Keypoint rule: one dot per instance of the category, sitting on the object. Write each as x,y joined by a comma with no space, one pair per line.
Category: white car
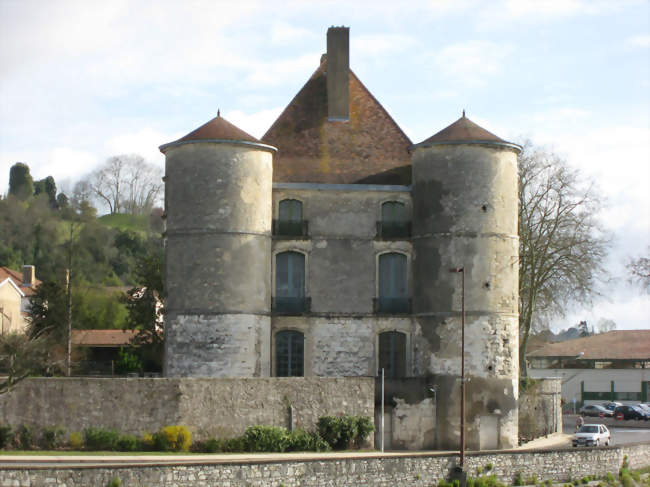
592,435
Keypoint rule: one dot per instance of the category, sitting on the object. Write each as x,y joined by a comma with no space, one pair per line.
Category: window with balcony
392,354
289,354
290,222
393,285
290,284
395,222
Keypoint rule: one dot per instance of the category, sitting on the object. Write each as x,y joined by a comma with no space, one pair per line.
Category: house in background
101,348
15,291
613,366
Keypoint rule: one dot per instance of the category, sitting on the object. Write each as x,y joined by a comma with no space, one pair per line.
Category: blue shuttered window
394,220
392,354
393,284
290,218
290,282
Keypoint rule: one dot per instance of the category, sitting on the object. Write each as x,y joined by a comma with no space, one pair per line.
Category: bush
128,443
211,445
173,438
75,441
25,437
6,435
99,439
301,440
234,445
52,437
266,439
344,431
127,362
115,482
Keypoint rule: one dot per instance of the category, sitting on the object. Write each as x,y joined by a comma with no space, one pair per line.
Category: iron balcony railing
391,306
393,230
290,228
290,306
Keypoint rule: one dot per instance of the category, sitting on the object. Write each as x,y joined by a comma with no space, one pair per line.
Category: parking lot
623,432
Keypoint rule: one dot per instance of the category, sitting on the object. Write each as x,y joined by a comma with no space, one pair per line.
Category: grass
36,453
137,223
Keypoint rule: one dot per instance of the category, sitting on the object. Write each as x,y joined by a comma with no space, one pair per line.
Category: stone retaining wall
415,470
209,407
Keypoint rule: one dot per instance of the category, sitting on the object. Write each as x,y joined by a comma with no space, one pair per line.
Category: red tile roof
218,128
369,148
613,345
463,130
17,278
102,338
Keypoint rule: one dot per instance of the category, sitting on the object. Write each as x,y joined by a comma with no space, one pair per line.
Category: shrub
127,362
75,441
266,439
128,443
301,440
518,480
52,437
345,431
5,436
115,482
25,437
364,427
173,438
211,445
100,439
234,445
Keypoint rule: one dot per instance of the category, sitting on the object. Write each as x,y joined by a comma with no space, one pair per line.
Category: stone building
324,250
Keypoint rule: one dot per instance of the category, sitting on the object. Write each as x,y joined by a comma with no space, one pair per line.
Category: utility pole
68,285
462,479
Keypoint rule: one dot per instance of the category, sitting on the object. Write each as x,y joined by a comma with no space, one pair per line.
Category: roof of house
218,128
463,130
613,345
17,279
102,338
369,148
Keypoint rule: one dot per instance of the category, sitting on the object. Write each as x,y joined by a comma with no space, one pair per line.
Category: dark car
630,412
611,405
595,410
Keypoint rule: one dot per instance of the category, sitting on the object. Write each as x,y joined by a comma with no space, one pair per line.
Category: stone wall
540,409
209,407
329,470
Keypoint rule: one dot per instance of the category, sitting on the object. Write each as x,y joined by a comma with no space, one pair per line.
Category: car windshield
588,429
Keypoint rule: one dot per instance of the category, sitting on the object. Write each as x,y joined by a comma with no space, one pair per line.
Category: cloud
282,71
282,33
377,44
256,123
642,40
144,142
472,62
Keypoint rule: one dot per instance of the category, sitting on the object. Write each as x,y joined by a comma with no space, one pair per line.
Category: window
392,354
289,354
290,222
394,221
290,283
393,284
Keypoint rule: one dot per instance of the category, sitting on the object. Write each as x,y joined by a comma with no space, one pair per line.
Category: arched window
394,220
290,220
290,282
392,354
393,284
289,354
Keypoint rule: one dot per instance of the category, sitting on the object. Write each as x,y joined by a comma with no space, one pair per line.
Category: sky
81,81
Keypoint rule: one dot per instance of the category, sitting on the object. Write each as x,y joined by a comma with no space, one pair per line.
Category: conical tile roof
462,130
219,128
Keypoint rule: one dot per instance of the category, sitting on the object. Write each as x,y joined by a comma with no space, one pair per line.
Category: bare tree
639,268
126,184
20,357
561,243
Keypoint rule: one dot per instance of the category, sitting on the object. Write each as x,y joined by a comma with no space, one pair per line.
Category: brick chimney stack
29,275
338,68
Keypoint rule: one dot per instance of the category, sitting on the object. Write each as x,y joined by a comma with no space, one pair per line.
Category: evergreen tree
21,184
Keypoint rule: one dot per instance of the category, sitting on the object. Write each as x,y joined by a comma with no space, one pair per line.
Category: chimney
29,275
338,68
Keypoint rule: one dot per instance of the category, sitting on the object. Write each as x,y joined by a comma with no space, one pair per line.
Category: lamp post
461,270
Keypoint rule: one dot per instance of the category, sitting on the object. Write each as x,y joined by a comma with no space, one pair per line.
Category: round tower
218,244
465,217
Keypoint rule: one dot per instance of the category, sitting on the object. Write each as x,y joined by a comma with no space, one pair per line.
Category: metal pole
69,324
462,371
382,410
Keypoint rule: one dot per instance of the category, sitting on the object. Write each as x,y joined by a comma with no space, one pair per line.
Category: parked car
595,410
592,435
644,406
644,410
611,405
630,412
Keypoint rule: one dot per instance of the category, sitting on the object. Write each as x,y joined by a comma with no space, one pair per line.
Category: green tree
48,312
21,184
47,187
145,309
562,245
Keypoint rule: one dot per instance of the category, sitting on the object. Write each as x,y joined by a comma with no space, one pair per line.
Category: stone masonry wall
540,410
389,470
209,407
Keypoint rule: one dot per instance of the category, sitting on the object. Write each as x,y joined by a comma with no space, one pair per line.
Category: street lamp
461,270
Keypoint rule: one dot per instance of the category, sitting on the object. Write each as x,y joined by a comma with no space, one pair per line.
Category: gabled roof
613,345
102,338
17,279
9,282
369,148
462,131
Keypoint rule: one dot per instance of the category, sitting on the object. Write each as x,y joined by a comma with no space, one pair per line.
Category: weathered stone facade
220,408
347,283
350,471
